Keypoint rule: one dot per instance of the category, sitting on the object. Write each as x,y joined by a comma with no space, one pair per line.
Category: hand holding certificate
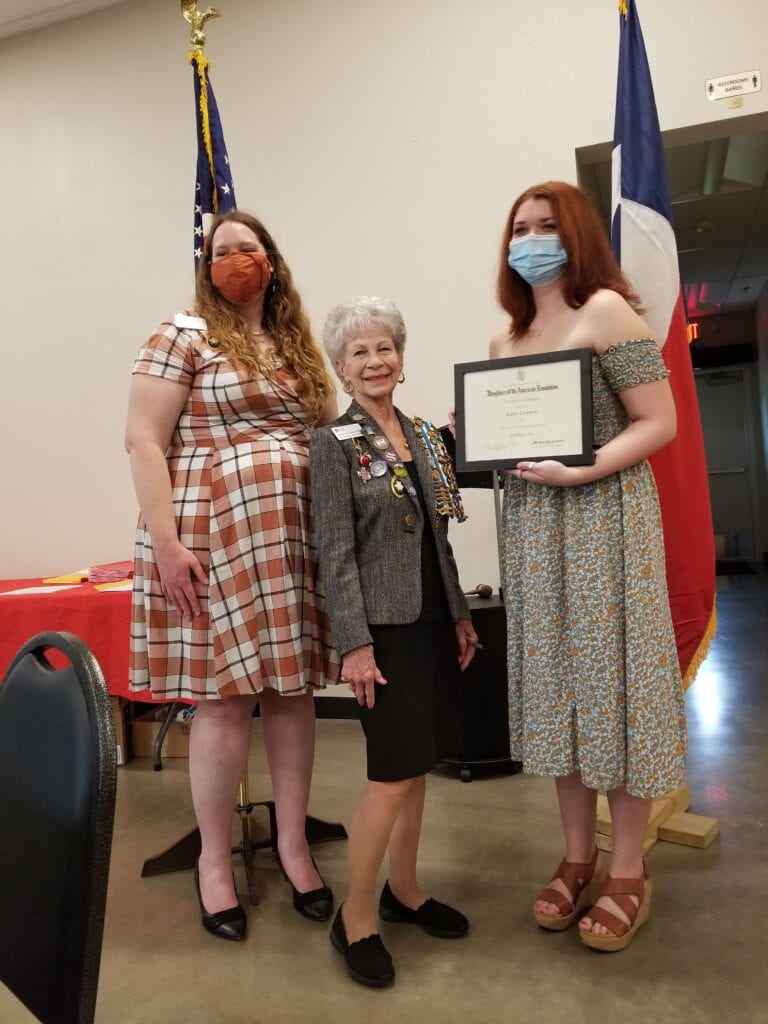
524,408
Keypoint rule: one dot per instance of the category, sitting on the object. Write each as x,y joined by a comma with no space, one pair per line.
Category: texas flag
643,241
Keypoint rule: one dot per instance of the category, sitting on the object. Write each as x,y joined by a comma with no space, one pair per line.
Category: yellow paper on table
68,577
119,585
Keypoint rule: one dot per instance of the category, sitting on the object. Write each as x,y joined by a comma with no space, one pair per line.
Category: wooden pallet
669,821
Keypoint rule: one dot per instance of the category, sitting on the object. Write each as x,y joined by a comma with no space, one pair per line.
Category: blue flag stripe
636,128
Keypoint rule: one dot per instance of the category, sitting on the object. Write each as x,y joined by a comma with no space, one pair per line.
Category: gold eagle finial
197,20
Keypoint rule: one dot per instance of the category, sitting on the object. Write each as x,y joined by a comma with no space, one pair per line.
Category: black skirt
414,721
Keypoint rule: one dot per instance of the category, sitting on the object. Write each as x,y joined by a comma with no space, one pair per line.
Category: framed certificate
524,408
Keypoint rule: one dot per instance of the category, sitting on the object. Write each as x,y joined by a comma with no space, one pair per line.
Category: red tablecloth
101,618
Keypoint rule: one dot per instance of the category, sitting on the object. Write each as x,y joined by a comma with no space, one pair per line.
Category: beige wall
382,143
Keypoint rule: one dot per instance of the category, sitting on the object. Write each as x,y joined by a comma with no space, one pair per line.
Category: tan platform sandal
582,882
620,890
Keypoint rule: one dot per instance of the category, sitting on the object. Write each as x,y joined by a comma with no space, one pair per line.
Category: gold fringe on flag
624,8
202,64
702,650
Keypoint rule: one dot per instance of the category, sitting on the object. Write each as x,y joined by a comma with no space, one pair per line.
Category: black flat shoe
435,918
367,960
226,924
316,904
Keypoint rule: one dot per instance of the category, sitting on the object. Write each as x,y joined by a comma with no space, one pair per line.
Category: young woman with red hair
596,698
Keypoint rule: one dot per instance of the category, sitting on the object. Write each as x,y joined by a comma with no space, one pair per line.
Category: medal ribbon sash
447,496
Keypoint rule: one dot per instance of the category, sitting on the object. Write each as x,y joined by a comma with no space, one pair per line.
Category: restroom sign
733,85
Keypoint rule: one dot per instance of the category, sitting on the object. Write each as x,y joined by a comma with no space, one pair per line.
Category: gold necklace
403,440
538,331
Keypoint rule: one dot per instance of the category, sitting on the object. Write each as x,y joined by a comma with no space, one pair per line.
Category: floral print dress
594,682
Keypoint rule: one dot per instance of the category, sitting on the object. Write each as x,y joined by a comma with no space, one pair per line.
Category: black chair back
58,773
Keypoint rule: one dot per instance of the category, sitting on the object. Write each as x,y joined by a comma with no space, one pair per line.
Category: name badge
196,323
347,430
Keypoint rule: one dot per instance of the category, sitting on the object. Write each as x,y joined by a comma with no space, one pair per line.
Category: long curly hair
284,318
591,264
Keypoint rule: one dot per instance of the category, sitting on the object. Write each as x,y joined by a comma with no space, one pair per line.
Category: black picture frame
523,367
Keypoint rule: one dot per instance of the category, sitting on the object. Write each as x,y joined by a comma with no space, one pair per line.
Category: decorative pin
380,442
364,459
390,456
357,417
401,472
378,468
397,488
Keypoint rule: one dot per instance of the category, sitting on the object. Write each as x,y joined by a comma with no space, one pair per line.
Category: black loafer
317,904
367,960
435,918
226,924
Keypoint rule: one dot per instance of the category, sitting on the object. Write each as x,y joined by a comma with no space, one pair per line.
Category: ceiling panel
744,291
714,221
754,258
706,264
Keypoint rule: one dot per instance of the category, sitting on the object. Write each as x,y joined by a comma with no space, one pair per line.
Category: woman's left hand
550,473
466,639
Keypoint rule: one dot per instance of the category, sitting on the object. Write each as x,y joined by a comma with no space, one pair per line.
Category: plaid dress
239,468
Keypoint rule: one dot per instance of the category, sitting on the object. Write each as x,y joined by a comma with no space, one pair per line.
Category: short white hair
354,317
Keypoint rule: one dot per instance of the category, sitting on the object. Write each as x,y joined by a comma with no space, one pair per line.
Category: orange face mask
241,276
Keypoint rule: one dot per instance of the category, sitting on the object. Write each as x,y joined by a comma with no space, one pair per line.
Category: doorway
718,180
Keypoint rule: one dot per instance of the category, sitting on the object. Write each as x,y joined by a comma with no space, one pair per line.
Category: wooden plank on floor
681,798
689,829
605,843
604,826
661,809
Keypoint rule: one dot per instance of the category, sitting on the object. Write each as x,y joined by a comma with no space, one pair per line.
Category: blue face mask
538,259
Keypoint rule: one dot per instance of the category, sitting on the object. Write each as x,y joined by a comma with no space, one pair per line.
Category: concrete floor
488,846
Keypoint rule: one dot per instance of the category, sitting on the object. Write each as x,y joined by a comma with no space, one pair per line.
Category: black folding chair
58,773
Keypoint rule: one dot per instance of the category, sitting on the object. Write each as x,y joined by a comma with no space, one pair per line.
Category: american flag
214,189
644,243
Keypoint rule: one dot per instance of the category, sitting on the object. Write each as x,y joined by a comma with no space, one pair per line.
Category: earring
401,378
347,388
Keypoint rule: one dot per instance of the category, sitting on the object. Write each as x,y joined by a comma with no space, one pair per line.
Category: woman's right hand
177,567
360,672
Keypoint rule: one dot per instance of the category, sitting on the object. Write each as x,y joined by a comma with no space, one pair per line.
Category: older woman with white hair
383,490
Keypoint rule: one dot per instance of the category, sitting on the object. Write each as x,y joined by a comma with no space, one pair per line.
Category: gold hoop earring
401,378
347,388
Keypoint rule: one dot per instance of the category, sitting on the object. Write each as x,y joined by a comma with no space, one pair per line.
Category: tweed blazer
369,541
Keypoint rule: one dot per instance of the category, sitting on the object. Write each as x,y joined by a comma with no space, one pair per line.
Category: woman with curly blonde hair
227,607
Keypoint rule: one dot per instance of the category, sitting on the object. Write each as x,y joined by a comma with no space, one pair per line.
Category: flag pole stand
183,854
669,821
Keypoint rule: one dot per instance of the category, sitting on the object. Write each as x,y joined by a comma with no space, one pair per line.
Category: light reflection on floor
705,697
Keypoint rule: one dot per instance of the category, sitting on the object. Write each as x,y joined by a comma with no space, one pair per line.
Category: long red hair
591,264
